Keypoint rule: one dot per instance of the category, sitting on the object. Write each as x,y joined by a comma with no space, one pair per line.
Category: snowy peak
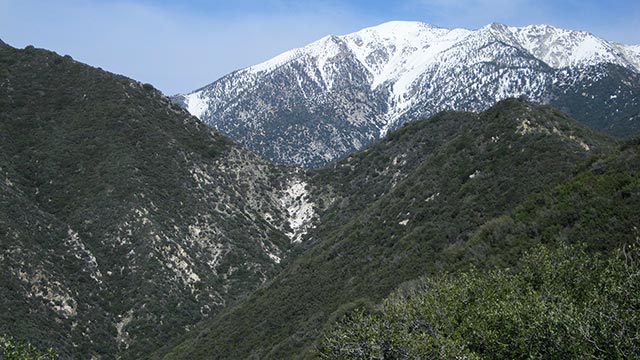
565,48
395,47
631,53
320,51
318,60
314,104
397,53
400,50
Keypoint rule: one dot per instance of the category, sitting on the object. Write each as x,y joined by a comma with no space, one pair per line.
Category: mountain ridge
403,207
124,220
340,93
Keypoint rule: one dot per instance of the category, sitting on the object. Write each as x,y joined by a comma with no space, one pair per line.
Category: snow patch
631,53
197,104
560,48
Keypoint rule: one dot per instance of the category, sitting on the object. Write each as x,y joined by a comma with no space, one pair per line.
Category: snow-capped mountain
314,104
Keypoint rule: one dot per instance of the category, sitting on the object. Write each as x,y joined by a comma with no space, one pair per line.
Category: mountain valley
421,195
124,219
332,202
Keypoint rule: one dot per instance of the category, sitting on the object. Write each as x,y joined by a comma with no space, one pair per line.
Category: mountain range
131,229
313,105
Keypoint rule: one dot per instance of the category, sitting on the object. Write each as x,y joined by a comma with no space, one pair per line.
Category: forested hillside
123,219
408,206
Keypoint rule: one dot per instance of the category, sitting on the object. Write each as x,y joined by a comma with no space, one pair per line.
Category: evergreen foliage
408,206
123,219
564,303
566,298
12,350
124,222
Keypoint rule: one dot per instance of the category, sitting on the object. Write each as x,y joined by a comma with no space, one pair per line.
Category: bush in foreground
562,303
13,350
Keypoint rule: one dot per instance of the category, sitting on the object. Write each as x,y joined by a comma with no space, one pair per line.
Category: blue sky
182,45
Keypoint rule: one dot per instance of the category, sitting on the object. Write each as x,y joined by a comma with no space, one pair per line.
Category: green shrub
561,304
13,350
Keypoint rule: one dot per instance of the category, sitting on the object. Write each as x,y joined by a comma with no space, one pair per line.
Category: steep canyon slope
124,220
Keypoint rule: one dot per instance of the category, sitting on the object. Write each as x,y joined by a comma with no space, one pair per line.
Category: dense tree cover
123,219
560,304
405,207
598,206
558,301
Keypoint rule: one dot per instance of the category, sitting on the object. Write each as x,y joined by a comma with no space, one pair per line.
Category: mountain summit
312,105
